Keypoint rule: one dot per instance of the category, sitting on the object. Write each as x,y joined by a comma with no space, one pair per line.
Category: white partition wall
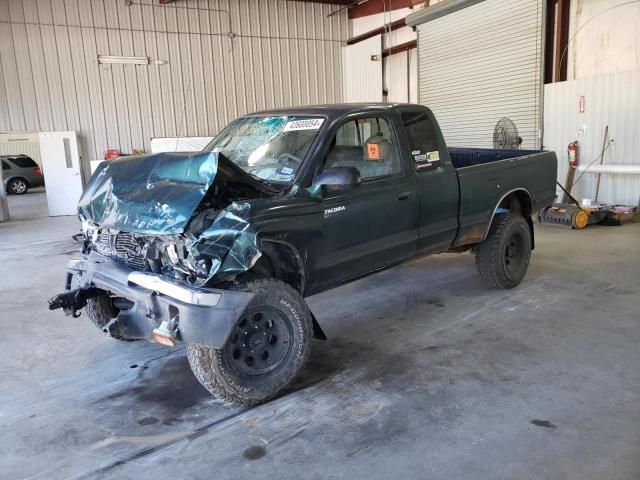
362,71
611,100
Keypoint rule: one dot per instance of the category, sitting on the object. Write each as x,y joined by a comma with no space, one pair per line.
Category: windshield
269,148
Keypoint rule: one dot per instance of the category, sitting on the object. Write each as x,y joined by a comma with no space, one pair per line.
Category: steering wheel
288,156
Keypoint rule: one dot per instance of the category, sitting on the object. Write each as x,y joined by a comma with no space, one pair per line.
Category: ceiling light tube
107,59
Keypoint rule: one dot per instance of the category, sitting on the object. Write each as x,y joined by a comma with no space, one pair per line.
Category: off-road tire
496,268
100,309
215,370
17,185
101,312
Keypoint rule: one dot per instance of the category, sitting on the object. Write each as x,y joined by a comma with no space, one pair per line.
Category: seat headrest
377,148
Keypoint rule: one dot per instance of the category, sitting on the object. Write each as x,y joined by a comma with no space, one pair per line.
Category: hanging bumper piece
152,303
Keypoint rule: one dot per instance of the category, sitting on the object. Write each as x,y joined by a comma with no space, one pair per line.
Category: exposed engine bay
190,223
226,246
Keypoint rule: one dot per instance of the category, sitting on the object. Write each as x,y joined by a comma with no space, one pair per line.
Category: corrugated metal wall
481,63
278,53
25,143
608,100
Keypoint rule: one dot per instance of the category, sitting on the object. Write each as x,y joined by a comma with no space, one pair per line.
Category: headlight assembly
172,254
88,230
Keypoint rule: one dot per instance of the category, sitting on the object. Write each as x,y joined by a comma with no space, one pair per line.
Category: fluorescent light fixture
106,59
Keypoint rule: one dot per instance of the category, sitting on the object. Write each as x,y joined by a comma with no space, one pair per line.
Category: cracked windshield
269,148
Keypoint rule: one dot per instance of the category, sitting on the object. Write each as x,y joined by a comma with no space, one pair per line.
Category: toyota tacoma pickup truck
218,249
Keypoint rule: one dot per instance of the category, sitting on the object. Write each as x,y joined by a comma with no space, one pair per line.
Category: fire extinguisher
574,161
574,155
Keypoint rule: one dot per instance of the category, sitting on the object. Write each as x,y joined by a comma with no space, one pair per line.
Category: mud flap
317,329
530,223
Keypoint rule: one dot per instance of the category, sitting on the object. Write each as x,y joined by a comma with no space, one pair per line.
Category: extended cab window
368,145
5,165
423,140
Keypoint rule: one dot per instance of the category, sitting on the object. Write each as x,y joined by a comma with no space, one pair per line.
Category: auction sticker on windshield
308,124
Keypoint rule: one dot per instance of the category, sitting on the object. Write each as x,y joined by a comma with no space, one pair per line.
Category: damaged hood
156,194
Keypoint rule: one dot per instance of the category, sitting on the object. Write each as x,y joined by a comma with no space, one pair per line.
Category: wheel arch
285,261
518,201
16,177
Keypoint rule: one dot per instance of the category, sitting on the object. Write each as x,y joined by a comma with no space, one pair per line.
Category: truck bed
468,157
486,176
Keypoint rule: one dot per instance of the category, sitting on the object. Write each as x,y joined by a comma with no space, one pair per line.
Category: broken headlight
172,253
195,269
204,267
88,229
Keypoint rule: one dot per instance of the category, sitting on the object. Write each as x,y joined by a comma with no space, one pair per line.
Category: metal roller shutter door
481,63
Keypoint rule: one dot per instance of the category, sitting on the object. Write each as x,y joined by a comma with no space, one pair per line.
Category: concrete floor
426,374
32,204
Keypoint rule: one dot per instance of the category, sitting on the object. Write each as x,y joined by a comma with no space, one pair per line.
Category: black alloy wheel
260,342
514,252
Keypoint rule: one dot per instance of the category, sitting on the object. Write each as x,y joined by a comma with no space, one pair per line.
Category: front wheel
265,351
100,309
503,257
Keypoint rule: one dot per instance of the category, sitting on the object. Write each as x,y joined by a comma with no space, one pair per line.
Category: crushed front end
159,232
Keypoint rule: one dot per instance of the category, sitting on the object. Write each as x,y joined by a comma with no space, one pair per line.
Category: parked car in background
20,173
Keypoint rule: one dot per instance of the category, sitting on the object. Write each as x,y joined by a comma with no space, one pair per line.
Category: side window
5,165
368,145
24,162
423,140
348,135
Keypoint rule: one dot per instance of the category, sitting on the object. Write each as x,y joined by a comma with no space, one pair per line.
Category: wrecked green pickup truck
218,249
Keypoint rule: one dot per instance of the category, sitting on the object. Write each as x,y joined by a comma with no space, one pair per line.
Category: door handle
404,195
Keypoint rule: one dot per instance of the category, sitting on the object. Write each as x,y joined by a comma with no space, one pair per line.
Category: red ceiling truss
363,8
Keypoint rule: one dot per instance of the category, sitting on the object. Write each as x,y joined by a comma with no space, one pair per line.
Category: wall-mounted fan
505,135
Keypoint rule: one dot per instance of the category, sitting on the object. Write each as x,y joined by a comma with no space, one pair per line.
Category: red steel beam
562,40
548,41
402,47
371,7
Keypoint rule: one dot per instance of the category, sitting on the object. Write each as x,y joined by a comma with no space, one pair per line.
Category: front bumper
197,315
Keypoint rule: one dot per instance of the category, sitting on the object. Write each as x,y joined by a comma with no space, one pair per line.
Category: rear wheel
503,257
265,351
18,186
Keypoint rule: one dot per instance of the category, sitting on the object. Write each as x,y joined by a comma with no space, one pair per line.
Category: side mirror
338,177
